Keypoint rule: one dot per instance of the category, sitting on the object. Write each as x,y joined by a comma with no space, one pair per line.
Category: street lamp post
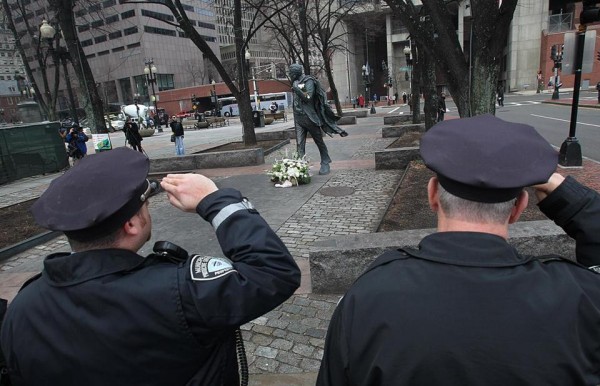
367,75
150,72
59,55
388,83
254,84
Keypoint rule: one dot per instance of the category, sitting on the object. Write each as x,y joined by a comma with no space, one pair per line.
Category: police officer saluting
466,308
105,315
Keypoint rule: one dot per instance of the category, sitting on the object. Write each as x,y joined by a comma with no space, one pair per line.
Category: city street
551,121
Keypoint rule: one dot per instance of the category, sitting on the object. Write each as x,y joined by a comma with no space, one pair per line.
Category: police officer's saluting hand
105,315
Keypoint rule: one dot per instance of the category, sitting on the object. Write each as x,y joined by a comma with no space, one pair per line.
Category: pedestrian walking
500,95
132,135
598,89
177,129
441,107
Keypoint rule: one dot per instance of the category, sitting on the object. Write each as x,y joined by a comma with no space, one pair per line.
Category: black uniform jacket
112,317
467,309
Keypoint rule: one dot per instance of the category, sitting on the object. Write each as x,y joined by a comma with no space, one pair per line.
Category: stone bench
337,262
355,113
217,121
347,120
398,119
399,158
275,116
400,130
201,125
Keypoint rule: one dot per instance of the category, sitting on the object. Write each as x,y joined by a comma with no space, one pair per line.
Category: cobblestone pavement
290,339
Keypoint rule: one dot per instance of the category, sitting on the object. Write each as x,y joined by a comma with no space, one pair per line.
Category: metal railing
560,23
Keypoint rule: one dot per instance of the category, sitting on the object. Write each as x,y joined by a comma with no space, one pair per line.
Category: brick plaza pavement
284,346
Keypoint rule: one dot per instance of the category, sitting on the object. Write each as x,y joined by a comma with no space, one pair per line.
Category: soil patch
409,208
17,224
265,145
410,139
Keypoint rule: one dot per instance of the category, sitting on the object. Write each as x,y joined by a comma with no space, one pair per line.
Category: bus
230,106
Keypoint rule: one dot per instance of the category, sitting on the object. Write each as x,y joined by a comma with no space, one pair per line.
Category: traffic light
553,52
195,102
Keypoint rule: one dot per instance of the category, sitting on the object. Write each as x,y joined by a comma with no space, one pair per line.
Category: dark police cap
97,196
486,159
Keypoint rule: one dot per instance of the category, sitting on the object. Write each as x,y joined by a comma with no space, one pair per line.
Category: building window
100,39
206,25
165,82
90,56
2,77
134,45
102,53
118,49
81,12
188,8
111,19
157,15
83,27
94,8
128,14
130,31
115,35
209,38
159,31
97,23
86,43
108,3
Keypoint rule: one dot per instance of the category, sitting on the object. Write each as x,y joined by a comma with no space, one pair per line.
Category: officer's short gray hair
480,212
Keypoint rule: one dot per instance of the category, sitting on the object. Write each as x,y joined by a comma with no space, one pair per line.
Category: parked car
185,114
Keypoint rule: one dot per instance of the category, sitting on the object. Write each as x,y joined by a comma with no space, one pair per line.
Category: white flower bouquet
290,171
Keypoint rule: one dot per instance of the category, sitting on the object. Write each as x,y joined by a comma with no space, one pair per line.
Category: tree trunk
304,36
91,102
243,96
415,86
429,88
334,91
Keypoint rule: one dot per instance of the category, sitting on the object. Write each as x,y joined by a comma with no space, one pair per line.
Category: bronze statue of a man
312,114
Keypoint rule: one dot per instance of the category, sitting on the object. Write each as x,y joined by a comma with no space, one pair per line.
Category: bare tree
240,90
472,85
30,44
195,72
317,25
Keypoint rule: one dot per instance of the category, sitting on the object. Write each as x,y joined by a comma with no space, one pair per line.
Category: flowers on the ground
290,171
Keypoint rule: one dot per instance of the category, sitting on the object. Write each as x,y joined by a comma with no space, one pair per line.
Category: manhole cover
337,191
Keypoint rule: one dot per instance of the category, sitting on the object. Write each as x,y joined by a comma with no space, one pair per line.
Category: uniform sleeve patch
209,268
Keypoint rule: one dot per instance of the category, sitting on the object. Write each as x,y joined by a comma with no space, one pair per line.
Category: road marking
564,120
395,110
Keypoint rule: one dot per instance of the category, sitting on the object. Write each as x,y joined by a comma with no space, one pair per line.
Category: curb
24,245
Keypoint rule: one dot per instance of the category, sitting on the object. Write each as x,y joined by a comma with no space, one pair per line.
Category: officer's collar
469,249
64,269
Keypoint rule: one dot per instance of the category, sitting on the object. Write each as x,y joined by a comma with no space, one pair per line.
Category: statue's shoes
344,133
324,169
